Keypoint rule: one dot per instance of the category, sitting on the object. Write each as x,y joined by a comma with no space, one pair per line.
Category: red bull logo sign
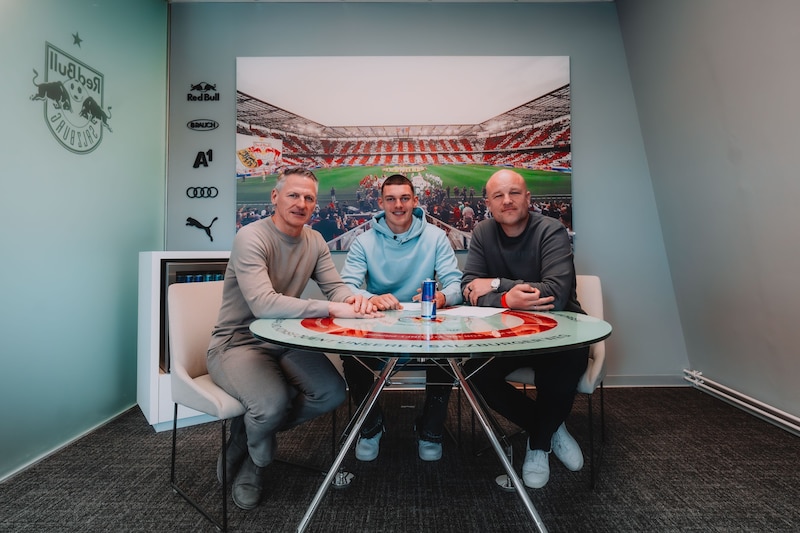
72,96
203,92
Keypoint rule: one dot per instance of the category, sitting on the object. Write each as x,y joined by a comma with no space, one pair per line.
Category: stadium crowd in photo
448,164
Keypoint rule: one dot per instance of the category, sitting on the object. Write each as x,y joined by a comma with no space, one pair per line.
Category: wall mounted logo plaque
72,93
202,124
202,192
190,221
203,158
203,92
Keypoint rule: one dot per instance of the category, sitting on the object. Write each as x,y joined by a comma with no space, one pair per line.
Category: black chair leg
596,455
591,442
602,414
223,526
224,477
174,444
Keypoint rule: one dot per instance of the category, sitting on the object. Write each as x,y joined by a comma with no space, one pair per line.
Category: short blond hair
294,171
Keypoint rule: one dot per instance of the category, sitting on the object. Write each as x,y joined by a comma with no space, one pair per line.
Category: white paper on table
461,310
471,311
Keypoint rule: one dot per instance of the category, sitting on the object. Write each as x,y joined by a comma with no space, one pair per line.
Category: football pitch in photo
346,181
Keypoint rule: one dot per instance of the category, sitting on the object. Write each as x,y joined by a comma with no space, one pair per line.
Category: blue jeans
279,387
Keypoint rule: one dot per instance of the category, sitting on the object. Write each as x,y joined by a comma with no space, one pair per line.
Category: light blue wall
618,230
72,225
717,86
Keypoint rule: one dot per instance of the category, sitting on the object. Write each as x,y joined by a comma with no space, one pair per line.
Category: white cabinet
157,270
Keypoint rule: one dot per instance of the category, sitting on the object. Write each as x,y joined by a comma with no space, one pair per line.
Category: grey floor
674,459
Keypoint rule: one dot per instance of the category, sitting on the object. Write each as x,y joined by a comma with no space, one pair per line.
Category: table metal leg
501,454
361,416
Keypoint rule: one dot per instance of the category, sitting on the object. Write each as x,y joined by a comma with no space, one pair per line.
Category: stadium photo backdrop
446,123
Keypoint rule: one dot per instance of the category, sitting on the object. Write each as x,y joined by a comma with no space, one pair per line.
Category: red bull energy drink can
428,299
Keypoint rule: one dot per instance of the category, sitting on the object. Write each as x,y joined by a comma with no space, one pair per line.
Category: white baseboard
675,380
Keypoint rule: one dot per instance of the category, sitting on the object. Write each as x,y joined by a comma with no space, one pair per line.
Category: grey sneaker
536,468
566,449
367,448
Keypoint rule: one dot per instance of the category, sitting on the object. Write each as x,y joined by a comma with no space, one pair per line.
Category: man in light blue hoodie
394,256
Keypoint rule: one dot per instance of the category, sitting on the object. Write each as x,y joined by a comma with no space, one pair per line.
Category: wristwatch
495,284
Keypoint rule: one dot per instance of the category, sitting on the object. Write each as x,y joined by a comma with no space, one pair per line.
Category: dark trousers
439,384
556,379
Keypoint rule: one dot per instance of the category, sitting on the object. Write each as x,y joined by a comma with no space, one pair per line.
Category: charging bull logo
72,96
202,92
92,111
54,91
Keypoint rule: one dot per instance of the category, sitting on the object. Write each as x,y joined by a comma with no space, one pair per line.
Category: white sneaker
566,449
367,449
536,468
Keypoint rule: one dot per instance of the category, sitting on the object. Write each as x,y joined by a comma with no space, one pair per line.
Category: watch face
495,283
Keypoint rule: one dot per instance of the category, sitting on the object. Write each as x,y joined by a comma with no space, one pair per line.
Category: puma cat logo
193,222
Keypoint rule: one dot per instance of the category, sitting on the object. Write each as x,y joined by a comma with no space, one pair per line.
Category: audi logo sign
202,124
202,192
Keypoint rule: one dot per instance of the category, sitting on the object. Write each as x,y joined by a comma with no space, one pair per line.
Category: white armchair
193,310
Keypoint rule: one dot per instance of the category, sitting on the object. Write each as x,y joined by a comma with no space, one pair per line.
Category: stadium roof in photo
339,97
253,112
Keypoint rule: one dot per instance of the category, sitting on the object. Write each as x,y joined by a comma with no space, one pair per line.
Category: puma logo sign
193,222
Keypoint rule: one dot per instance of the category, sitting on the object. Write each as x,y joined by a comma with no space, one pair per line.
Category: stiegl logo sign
72,93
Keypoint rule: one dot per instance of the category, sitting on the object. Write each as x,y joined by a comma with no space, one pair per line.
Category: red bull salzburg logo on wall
72,93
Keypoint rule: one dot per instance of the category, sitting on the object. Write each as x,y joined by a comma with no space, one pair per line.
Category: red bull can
428,300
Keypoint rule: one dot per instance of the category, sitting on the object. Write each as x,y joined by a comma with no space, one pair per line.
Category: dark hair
397,179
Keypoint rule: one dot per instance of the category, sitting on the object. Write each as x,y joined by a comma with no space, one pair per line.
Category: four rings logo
202,192
202,124
72,93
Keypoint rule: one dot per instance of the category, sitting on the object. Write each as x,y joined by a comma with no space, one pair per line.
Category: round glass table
404,332
454,335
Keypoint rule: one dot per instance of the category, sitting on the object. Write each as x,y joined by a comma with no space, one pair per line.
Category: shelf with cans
196,277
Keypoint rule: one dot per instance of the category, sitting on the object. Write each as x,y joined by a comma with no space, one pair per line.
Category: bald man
523,260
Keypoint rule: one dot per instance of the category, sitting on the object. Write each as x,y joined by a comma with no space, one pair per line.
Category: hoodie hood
417,226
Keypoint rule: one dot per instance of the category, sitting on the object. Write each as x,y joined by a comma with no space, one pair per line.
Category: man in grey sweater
270,264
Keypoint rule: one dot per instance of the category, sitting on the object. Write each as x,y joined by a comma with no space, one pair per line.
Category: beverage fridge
157,271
